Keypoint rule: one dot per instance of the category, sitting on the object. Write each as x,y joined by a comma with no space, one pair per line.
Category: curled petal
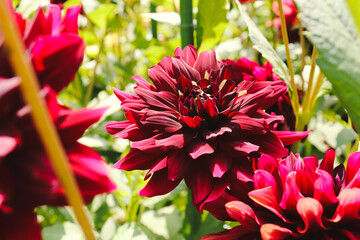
219,164
236,233
291,193
290,137
206,62
199,147
349,206
310,210
353,166
158,184
324,189
243,214
327,164
274,232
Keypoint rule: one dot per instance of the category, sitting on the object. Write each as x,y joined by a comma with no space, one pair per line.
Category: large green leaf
211,23
102,15
354,6
333,35
261,44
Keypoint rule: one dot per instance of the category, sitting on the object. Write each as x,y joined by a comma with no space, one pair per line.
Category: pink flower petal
243,214
324,189
199,147
327,164
290,137
206,62
162,80
353,166
271,231
236,233
219,164
291,193
349,206
310,210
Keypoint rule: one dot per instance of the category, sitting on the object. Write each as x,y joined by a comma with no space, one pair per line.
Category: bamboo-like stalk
30,88
153,22
186,27
295,97
303,50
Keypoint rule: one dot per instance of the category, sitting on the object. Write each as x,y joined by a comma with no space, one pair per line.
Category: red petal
189,54
291,193
158,184
162,80
206,62
271,231
211,108
136,159
243,214
349,206
353,166
48,51
327,164
290,137
310,210
201,184
324,189
178,164
219,164
192,122
270,144
199,147
236,233
253,125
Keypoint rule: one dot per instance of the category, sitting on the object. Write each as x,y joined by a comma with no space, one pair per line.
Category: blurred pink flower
296,198
53,43
197,122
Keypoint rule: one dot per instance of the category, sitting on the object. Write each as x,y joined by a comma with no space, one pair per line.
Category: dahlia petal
36,28
132,133
114,127
209,135
219,164
353,166
324,189
189,54
192,122
251,102
206,62
158,184
271,231
267,199
123,95
270,144
310,210
162,80
8,84
263,179
184,84
217,206
53,17
290,137
159,165
291,193
46,53
349,206
9,139
268,163
199,147
70,21
236,233
154,99
253,125
137,159
142,83
201,184
178,163
163,121
24,219
175,141
167,65
218,191
244,147
243,214
211,108
72,124
183,68
327,164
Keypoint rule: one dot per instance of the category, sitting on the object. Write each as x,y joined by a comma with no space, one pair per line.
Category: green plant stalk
30,88
272,25
294,96
153,22
303,51
315,91
306,102
186,26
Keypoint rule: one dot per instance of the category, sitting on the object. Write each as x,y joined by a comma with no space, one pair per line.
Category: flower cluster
247,69
295,198
27,177
198,122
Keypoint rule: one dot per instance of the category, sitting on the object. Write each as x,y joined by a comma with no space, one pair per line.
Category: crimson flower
27,179
290,14
52,43
297,198
247,69
245,1
196,123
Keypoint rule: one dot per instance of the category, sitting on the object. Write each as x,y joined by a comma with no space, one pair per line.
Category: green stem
294,96
272,25
315,91
153,22
186,27
305,105
303,51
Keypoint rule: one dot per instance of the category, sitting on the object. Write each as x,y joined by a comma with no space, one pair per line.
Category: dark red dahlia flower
196,123
297,198
27,177
249,70
54,45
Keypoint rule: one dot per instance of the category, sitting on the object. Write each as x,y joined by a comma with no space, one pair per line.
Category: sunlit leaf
211,23
101,15
338,48
354,6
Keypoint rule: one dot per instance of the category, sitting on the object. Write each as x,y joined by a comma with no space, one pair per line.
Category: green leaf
333,35
64,231
211,23
102,14
261,44
354,6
